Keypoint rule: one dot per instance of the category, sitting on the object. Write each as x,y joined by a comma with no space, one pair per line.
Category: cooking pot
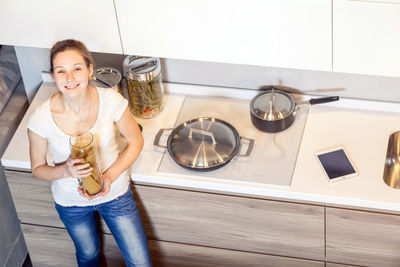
275,110
203,144
108,77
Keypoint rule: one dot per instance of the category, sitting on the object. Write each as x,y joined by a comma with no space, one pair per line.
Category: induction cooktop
274,155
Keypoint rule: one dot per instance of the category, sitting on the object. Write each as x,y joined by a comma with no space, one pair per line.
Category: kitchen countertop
362,127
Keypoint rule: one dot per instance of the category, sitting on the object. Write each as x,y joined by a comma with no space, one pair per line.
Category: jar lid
107,77
141,68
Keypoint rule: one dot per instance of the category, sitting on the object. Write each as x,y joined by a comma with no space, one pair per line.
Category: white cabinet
40,23
366,37
286,33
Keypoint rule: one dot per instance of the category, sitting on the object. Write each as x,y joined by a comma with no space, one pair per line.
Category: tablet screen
336,164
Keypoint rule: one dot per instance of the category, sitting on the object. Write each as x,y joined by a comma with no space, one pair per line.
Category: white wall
35,60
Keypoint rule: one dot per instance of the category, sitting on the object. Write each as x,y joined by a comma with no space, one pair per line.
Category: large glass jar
144,85
83,147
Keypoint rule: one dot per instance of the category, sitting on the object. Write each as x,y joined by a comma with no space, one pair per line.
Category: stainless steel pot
203,144
275,110
108,77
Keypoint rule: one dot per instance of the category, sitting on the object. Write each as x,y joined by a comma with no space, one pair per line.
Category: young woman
78,107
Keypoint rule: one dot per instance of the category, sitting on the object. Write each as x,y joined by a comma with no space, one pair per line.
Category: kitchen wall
33,61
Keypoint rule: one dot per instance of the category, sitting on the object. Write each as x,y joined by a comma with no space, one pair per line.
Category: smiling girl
78,107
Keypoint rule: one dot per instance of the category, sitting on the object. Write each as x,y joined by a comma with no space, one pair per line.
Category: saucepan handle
158,137
322,100
249,148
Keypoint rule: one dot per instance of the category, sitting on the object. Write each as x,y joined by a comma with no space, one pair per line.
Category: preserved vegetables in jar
144,86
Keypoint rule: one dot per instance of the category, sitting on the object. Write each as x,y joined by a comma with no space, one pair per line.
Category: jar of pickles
144,85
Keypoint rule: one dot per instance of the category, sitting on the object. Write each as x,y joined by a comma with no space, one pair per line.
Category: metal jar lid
203,144
141,68
107,77
272,105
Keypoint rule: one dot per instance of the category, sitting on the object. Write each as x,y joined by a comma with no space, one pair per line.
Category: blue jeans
122,218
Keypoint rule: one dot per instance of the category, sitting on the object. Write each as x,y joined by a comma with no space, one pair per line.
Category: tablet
336,164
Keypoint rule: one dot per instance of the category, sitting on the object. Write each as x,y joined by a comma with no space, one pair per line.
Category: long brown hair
70,44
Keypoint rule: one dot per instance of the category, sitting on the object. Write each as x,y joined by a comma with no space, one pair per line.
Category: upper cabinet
366,37
41,23
286,33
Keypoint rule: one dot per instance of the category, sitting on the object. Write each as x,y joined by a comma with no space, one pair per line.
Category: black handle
321,100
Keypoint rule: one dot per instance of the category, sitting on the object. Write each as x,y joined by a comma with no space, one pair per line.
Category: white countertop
363,127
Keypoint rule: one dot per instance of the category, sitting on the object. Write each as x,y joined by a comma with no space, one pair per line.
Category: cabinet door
362,238
366,37
329,264
230,222
286,33
50,246
41,23
183,255
34,201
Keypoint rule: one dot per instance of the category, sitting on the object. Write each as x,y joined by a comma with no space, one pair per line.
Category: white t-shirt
111,107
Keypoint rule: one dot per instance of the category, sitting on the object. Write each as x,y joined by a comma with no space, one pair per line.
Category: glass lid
203,143
107,77
272,105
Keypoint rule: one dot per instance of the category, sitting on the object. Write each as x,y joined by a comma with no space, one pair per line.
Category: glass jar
144,85
83,148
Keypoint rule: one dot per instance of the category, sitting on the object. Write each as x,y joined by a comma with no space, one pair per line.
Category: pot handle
321,100
158,137
249,148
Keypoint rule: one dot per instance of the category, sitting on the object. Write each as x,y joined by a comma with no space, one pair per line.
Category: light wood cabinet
185,227
34,201
191,228
50,246
330,264
288,33
230,222
42,23
183,255
366,37
362,238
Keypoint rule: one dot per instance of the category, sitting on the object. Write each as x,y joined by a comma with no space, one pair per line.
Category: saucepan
275,110
204,144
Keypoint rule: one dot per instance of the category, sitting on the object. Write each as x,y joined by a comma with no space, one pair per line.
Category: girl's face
71,73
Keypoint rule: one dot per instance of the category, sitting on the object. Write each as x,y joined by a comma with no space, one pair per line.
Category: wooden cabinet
330,264
183,255
362,238
288,33
191,228
34,201
234,223
50,246
366,37
185,227
42,23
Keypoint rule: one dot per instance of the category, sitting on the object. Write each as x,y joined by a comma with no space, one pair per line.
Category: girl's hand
106,188
73,168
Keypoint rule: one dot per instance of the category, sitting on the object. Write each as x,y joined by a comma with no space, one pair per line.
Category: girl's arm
128,128
38,150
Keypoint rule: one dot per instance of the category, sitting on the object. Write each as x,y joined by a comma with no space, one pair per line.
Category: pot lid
203,143
272,105
107,77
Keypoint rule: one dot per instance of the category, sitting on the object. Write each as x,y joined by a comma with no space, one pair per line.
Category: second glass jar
144,85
